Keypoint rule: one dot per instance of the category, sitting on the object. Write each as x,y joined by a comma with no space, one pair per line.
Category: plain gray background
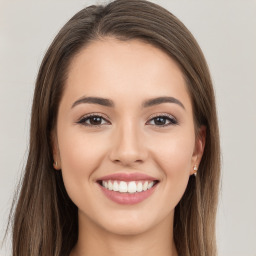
226,32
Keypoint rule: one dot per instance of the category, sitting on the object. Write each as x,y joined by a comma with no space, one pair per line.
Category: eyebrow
94,100
160,100
109,103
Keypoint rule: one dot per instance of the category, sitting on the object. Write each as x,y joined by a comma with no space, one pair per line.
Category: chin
127,229
130,224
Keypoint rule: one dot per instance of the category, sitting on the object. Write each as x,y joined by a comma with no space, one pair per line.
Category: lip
136,176
127,198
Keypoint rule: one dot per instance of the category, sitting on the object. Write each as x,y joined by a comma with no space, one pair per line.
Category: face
125,118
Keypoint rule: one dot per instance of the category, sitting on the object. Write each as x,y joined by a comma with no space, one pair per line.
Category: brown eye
93,120
96,120
163,120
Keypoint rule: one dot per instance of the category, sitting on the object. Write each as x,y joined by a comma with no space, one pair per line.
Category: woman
124,145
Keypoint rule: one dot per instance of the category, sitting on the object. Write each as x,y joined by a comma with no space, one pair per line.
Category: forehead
111,68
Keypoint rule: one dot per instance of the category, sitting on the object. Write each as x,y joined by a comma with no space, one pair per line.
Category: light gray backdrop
226,32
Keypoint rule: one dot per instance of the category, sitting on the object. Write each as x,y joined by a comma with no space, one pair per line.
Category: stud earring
55,164
195,170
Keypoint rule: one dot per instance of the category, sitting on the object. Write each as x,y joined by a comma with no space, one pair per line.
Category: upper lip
136,176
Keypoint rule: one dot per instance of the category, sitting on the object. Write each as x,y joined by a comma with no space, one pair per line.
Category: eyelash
170,118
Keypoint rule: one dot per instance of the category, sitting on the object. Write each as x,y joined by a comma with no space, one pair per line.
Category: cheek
174,153
80,157
174,159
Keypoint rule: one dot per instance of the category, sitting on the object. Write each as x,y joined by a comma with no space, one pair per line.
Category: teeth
139,187
105,184
145,186
110,187
130,187
123,187
115,186
150,185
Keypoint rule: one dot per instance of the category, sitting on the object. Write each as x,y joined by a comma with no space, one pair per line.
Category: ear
55,151
198,149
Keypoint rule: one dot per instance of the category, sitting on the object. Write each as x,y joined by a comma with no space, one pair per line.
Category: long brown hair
45,221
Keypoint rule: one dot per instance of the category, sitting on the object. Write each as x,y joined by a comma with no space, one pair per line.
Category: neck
93,240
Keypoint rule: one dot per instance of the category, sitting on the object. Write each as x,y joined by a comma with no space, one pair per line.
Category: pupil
96,120
160,120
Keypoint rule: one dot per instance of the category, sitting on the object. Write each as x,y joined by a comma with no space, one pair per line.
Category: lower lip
128,198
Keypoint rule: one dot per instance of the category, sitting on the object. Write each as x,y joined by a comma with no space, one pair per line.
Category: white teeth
150,185
105,184
115,186
123,187
145,186
139,187
130,187
110,187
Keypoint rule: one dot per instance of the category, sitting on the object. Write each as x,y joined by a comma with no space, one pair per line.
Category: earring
195,170
55,165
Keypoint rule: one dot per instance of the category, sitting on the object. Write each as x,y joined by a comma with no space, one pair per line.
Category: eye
94,120
163,120
97,120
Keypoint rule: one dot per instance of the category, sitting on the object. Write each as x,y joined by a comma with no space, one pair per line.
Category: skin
128,139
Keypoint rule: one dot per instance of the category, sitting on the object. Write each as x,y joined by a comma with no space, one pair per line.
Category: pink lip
127,198
127,177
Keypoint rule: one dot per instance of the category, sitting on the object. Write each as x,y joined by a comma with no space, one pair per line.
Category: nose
128,147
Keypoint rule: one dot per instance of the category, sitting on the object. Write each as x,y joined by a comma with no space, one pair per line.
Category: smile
127,188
